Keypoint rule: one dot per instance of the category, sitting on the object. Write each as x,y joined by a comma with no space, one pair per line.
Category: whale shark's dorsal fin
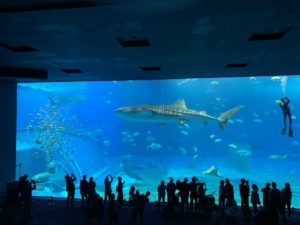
180,103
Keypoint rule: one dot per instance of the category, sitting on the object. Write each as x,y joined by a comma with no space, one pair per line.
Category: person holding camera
70,188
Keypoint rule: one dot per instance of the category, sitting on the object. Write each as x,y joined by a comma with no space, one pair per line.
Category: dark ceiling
43,40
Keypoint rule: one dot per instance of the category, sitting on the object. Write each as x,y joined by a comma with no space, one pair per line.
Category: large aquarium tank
148,131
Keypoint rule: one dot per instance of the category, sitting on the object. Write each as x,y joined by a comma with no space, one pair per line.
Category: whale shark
177,112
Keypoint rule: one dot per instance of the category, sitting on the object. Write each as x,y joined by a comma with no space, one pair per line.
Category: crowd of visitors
175,198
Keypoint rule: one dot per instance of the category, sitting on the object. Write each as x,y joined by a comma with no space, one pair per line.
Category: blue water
73,128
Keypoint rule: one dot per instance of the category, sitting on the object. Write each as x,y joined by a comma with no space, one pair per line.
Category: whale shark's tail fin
227,115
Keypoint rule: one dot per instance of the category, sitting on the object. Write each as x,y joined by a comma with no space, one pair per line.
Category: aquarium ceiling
52,40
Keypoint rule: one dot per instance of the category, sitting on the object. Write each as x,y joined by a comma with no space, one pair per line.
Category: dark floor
45,213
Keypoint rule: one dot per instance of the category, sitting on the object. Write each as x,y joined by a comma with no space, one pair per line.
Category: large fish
177,112
212,171
42,177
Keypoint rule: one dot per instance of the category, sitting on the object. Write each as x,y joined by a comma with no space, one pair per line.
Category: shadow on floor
54,213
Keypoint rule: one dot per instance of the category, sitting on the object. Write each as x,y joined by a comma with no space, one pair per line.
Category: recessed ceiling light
150,68
133,42
18,48
72,70
236,65
269,34
49,6
23,72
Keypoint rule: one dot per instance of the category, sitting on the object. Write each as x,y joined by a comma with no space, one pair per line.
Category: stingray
212,171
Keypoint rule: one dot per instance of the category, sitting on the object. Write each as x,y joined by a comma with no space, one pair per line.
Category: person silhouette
194,193
266,195
184,194
112,211
284,105
222,194
142,201
287,198
107,186
100,209
131,195
70,188
84,187
171,189
255,198
119,190
29,186
229,190
275,207
22,188
161,190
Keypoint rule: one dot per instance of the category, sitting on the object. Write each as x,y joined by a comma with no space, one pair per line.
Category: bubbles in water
283,83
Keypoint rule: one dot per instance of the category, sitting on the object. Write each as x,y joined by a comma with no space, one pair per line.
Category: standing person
247,190
255,198
22,187
231,211
266,194
161,190
193,193
222,195
112,211
275,206
284,105
28,187
142,202
92,186
134,203
201,196
107,187
287,198
131,195
244,193
70,188
178,196
229,191
171,188
184,194
92,191
92,208
84,187
100,209
119,190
